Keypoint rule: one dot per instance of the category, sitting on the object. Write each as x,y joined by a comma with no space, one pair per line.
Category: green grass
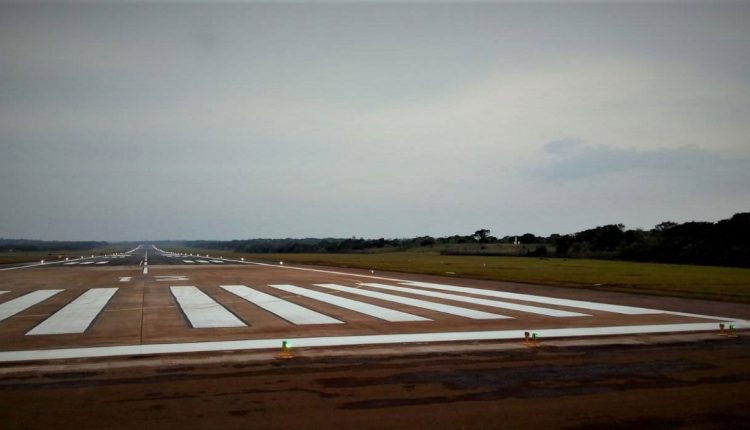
705,282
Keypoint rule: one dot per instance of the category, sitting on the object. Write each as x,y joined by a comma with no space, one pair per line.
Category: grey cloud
690,164
124,121
561,146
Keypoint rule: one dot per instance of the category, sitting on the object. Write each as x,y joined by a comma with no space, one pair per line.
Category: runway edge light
731,333
286,350
530,339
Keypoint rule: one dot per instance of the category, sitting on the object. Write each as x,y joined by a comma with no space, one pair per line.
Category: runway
149,301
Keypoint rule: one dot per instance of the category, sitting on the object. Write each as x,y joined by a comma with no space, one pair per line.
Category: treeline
354,244
25,245
724,243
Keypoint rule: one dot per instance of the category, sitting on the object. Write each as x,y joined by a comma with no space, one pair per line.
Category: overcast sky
130,122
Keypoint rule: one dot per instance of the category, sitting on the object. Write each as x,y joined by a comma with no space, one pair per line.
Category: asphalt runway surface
150,339
149,301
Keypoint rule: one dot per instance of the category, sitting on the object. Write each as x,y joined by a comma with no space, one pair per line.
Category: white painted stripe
189,261
627,310
77,315
87,262
102,262
202,261
170,278
379,312
202,311
3,292
70,264
333,341
217,261
484,302
125,279
438,307
20,304
291,312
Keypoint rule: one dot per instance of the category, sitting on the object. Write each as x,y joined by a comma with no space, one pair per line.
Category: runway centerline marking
433,306
376,311
77,315
289,311
170,278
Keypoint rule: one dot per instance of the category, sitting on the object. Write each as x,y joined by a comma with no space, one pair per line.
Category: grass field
705,282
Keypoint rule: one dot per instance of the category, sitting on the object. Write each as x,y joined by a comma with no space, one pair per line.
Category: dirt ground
700,384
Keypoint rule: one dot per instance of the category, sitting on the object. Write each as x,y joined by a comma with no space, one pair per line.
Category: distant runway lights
372,272
286,350
281,263
42,261
730,333
242,259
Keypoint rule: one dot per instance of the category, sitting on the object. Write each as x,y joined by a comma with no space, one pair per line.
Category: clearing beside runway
674,280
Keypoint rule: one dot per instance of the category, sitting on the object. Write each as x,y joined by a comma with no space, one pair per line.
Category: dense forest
724,243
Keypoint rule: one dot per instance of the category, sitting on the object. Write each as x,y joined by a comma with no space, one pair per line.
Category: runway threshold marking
76,316
627,310
438,307
20,304
379,312
483,302
201,310
334,341
289,311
